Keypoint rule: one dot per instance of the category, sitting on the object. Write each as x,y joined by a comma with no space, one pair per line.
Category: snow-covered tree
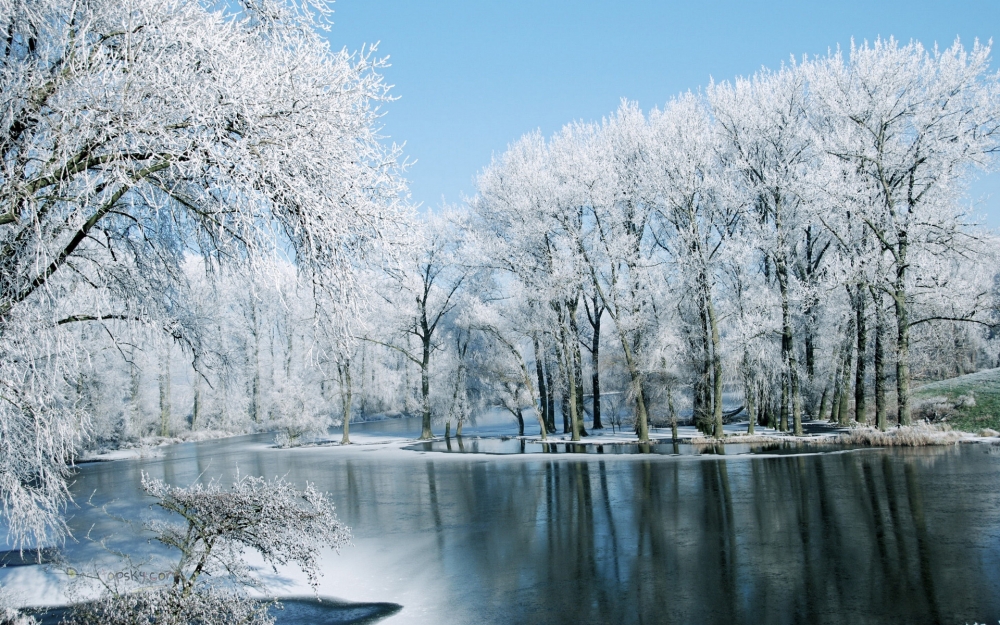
134,134
908,125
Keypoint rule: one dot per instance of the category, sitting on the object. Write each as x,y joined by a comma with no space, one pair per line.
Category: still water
865,536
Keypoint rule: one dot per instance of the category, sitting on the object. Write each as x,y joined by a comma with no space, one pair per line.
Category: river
865,536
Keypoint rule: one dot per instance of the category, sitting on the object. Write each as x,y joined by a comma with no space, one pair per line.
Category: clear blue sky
472,76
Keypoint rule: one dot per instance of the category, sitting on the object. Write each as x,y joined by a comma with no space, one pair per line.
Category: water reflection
906,536
847,538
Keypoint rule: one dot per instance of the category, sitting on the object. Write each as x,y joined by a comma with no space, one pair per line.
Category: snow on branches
210,578
135,135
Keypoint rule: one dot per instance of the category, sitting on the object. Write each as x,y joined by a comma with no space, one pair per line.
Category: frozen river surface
873,536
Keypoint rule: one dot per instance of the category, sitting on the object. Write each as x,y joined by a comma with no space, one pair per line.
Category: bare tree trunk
564,372
843,411
837,390
550,397
783,408
344,373
860,409
568,365
165,391
425,387
289,348
196,407
635,376
363,404
135,381
564,399
255,407
574,336
703,384
716,367
542,388
822,402
595,359
788,346
673,413
880,381
903,334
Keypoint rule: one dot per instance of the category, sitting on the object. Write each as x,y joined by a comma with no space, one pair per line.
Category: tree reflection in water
834,538
907,536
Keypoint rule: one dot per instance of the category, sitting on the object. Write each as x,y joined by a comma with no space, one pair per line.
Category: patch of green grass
983,387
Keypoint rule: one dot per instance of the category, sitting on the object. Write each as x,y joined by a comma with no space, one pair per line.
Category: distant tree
420,292
908,125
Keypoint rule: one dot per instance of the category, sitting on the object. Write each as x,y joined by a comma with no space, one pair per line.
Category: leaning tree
134,135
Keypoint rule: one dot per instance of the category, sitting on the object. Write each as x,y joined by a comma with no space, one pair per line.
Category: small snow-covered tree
420,291
210,579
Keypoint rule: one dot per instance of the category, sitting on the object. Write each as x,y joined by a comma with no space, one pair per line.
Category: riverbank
149,446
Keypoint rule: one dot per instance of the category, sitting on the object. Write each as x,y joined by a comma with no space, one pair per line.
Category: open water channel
861,536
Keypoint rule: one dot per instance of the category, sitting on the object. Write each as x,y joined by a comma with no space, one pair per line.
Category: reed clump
905,436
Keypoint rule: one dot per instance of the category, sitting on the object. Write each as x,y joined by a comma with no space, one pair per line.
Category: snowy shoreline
855,437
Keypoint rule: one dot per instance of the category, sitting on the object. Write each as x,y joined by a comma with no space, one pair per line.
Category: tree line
202,229
798,242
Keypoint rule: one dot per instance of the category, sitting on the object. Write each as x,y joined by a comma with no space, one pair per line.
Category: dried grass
907,436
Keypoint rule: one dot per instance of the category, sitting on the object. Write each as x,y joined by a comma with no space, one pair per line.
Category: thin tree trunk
289,349
673,414
635,376
345,400
751,413
822,402
196,406
564,372
577,354
860,409
788,346
783,408
542,388
880,381
716,367
135,380
569,358
837,390
903,335
363,404
165,391
564,404
425,387
702,418
843,411
255,391
550,397
535,401
595,359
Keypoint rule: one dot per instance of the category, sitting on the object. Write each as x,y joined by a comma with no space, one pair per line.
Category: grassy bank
970,403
